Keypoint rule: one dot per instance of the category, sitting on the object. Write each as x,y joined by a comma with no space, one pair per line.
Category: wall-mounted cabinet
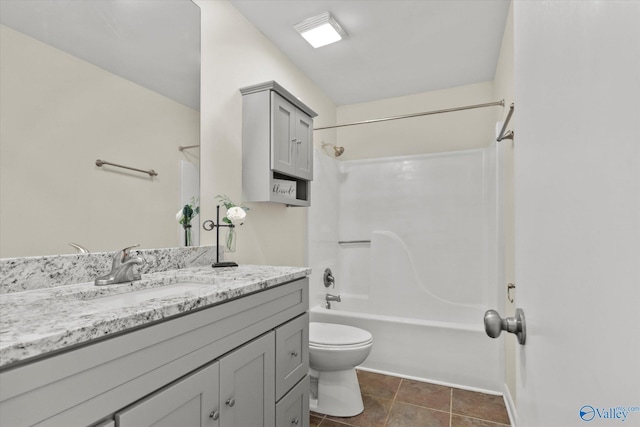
277,146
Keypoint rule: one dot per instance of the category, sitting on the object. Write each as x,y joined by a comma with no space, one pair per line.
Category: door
577,184
283,137
190,402
247,385
304,146
291,139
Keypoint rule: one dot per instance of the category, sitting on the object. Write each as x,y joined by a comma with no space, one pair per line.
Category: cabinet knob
295,421
230,402
214,415
294,354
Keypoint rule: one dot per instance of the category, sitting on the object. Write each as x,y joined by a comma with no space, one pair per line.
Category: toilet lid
337,335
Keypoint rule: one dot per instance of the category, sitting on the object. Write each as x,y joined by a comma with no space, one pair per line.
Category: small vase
187,234
230,244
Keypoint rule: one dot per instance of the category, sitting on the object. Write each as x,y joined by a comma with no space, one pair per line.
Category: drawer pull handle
230,402
295,421
294,354
214,415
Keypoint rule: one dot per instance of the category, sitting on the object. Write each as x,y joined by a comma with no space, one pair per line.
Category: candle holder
209,225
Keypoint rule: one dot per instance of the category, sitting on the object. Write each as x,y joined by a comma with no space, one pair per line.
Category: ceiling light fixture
320,30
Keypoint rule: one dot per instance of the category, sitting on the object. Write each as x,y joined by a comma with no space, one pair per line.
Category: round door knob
230,402
214,415
494,324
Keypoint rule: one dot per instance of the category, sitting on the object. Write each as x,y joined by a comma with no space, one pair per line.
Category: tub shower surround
47,319
415,259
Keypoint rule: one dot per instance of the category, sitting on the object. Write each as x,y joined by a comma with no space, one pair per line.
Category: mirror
116,80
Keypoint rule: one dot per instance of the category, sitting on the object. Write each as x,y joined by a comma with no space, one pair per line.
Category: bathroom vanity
190,347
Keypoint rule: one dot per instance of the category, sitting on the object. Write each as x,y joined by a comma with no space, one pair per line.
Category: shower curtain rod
406,116
503,132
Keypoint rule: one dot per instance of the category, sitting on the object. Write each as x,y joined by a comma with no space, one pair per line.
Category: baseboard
510,404
432,381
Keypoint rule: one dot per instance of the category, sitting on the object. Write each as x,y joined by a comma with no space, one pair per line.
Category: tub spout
330,298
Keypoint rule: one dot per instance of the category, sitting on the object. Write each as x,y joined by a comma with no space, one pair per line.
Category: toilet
334,352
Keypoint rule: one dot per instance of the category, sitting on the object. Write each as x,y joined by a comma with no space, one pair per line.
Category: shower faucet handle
328,279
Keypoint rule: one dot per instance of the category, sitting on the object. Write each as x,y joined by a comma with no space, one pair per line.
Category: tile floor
396,402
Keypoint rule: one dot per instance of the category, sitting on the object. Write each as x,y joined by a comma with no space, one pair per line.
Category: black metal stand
210,225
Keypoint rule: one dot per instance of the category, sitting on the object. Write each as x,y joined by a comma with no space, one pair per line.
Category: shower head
337,151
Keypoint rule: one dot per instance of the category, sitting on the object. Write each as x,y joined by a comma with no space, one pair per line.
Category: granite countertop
35,322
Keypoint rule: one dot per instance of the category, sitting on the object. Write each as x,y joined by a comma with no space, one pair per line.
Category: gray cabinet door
291,139
304,146
283,138
247,389
190,402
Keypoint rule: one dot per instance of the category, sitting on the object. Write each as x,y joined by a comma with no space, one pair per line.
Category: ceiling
155,44
393,47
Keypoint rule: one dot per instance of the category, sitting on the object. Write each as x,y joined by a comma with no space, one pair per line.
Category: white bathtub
454,354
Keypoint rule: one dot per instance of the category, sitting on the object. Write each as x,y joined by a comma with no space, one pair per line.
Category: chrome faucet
122,268
328,278
330,298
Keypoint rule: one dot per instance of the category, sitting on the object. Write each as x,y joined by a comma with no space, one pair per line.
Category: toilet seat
331,335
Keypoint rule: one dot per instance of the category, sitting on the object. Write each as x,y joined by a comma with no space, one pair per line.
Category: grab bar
151,172
341,242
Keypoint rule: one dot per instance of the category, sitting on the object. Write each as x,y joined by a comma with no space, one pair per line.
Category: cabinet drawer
292,353
293,408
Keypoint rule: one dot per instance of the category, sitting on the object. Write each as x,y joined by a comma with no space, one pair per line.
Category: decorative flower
235,214
188,212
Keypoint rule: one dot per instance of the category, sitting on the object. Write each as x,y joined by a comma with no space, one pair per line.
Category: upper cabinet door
291,140
304,146
283,139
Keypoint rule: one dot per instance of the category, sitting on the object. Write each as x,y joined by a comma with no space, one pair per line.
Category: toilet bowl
334,352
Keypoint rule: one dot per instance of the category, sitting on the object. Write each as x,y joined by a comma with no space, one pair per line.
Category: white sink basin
137,297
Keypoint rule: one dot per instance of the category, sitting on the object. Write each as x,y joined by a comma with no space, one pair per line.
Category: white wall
59,114
577,85
420,135
235,54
